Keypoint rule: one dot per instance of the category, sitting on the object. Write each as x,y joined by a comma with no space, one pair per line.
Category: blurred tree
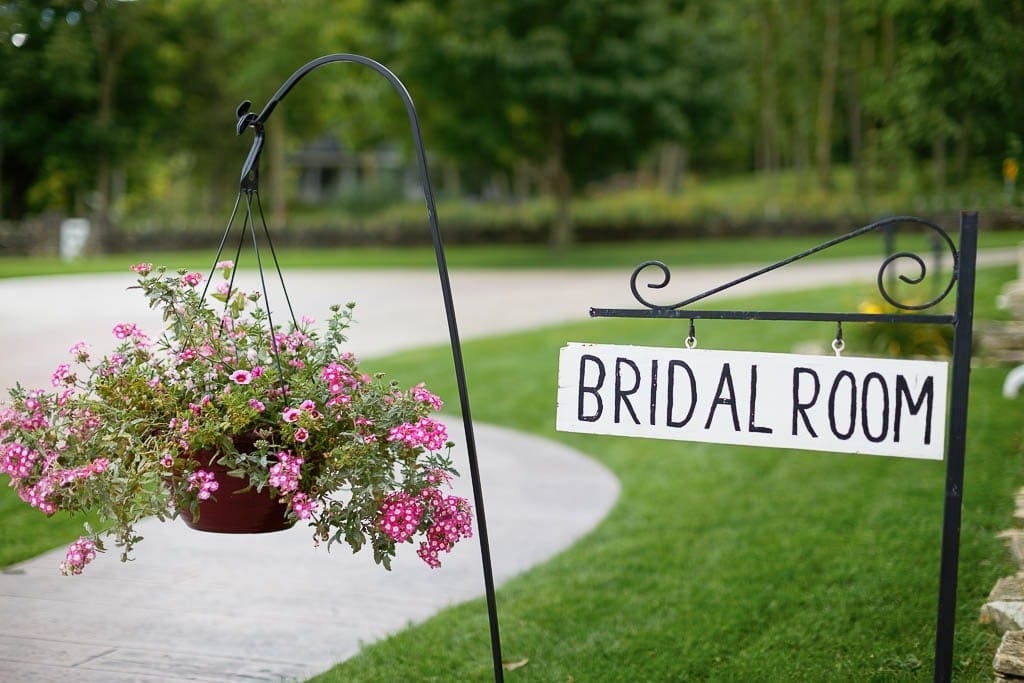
101,99
577,88
288,37
66,121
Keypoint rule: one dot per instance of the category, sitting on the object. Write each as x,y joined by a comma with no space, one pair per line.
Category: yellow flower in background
869,307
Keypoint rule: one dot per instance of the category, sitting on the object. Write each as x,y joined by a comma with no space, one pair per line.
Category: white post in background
74,233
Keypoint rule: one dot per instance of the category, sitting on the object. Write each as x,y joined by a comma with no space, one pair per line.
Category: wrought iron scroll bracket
962,275
681,309
249,185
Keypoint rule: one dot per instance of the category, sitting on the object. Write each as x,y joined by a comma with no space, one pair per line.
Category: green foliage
134,101
61,110
717,562
586,86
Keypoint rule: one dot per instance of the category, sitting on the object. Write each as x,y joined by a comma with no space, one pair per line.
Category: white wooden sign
875,406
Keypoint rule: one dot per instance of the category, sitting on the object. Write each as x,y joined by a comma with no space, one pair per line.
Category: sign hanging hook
838,344
691,336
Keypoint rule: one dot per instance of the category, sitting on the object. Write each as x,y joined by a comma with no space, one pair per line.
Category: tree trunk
888,158
561,237
672,167
827,95
109,56
104,123
855,130
277,142
522,180
562,228
800,91
963,146
768,149
450,179
939,161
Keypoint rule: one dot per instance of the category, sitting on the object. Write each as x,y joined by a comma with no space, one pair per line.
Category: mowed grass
717,563
721,563
703,252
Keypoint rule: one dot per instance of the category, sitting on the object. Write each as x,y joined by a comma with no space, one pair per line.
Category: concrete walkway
205,607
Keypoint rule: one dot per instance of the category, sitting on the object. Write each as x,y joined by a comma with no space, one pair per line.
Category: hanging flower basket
225,400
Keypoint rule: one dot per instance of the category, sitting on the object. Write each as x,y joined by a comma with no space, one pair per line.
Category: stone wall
1004,610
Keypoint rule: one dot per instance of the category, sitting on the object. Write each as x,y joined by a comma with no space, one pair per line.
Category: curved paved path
204,607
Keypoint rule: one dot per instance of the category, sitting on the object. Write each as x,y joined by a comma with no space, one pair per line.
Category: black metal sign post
962,276
250,188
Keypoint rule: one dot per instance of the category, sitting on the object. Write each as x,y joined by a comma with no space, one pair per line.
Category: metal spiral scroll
887,263
922,271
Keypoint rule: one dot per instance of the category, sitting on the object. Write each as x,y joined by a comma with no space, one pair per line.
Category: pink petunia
241,376
60,374
191,279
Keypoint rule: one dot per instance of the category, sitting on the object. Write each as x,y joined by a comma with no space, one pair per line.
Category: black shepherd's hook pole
249,181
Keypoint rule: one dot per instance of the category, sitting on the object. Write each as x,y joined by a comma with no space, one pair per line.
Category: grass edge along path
721,563
704,252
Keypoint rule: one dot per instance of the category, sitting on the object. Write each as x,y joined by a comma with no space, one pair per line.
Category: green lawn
717,563
706,252
721,563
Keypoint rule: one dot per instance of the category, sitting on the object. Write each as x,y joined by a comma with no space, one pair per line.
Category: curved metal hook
257,122
245,120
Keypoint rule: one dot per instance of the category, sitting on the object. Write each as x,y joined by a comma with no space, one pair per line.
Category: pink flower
420,393
80,351
437,476
284,474
241,376
191,279
224,265
204,481
80,553
125,330
400,516
451,521
303,506
60,375
291,414
301,434
257,405
142,268
426,432
17,460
